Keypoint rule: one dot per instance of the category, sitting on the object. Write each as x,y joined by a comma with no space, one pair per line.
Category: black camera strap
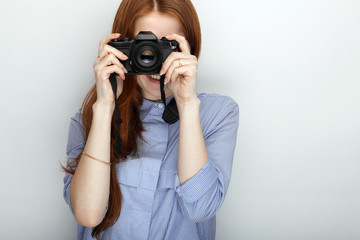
170,114
118,120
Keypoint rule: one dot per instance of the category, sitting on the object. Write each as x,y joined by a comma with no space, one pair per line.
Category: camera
146,52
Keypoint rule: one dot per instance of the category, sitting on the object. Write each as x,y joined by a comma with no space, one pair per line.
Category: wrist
191,105
102,111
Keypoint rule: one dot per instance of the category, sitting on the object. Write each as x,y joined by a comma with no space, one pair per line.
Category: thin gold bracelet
107,163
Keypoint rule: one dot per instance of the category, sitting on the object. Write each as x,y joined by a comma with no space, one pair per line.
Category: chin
150,85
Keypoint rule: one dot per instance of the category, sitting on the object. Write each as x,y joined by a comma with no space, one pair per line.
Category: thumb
170,86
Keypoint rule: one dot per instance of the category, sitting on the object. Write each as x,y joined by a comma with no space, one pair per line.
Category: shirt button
160,105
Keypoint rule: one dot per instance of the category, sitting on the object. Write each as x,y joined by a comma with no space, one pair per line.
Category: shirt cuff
198,185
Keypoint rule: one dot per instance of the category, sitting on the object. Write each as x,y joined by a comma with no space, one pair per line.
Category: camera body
146,52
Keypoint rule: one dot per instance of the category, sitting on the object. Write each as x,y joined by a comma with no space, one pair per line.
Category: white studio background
292,66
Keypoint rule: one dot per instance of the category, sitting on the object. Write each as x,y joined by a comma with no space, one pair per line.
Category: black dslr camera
146,52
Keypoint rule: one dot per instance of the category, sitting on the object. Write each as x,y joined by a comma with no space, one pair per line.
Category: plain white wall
293,67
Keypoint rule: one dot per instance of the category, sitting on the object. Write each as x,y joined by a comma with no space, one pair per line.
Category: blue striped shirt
154,205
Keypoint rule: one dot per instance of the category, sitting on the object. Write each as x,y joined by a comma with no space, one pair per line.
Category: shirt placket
152,153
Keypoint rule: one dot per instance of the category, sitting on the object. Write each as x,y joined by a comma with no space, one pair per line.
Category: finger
169,86
111,60
106,40
178,63
185,71
183,43
175,64
172,57
99,65
107,49
105,74
96,62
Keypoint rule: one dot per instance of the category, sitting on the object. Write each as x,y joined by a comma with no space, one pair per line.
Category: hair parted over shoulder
131,97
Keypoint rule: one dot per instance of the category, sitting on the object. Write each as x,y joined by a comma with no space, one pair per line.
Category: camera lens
147,56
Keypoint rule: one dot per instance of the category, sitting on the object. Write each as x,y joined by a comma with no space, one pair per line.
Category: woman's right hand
105,64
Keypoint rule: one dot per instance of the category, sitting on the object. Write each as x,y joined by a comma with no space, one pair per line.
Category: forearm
90,187
192,154
202,195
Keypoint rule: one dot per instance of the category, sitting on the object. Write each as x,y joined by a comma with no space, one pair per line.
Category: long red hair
131,98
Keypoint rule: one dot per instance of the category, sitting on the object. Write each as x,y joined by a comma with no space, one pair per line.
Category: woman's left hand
180,70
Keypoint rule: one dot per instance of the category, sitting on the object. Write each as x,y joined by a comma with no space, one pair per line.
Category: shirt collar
147,105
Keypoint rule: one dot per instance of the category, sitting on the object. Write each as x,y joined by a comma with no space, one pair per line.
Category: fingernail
166,80
126,57
161,72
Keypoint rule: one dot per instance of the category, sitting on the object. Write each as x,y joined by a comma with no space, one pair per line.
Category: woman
169,180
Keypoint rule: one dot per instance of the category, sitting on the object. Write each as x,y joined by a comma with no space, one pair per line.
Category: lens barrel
146,57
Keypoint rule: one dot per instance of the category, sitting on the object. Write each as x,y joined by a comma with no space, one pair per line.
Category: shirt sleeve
75,146
201,196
